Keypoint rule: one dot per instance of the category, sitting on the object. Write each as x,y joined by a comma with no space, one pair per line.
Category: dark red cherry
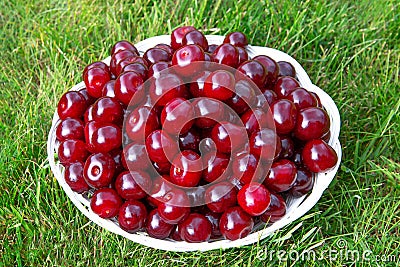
254,198
157,227
133,185
270,96
123,45
154,55
271,69
166,47
97,64
177,116
162,167
214,167
208,112
287,145
140,123
312,123
126,85
284,113
211,48
105,202
265,144
220,196
90,127
160,187
255,71
174,206
99,170
89,99
245,168
235,223
197,84
105,137
281,176
165,88
186,169
70,151
220,85
285,85
243,55
195,228
132,216
196,196
197,38
303,184
185,56
318,156
70,128
95,79
244,97
127,61
72,104
134,157
226,54
302,98
107,109
286,69
175,233
236,39
228,137
116,154
159,145
117,58
109,89
137,67
256,119
213,218
318,99
73,176
276,209
156,69
190,140
178,34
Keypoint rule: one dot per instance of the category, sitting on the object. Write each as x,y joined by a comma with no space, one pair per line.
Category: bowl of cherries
194,142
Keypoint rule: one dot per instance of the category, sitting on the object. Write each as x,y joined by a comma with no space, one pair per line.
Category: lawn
351,49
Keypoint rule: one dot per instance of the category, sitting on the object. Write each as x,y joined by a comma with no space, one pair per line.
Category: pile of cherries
192,141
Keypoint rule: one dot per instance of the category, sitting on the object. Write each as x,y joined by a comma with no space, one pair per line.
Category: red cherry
281,176
123,45
184,57
276,209
95,79
254,198
235,223
178,34
176,116
244,97
134,157
99,170
245,168
186,169
220,196
243,55
126,85
72,104
156,69
137,67
271,69
190,140
312,123
286,69
159,145
226,54
255,71
165,88
318,156
107,109
174,206
208,112
302,98
109,89
256,119
228,137
70,128
105,137
140,123
285,85
195,228
132,216
166,47
73,176
197,38
265,144
236,39
70,151
303,184
157,227
105,202
154,55
214,167
284,113
133,185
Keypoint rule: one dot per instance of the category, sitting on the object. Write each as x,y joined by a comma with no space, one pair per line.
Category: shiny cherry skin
105,137
221,196
195,228
270,96
96,64
159,145
186,169
318,156
165,88
177,116
162,167
284,113
71,150
220,85
116,154
107,109
70,128
208,112
137,67
254,198
213,218
197,84
196,196
183,58
303,184
89,99
255,71
132,216
156,227
154,55
243,55
95,79
72,104
99,170
228,137
286,69
73,176
178,34
256,119
166,47
109,89
133,184
105,202
134,157
160,187
236,39
265,144
117,58
214,167
226,54
245,168
244,97
287,145
271,69
281,176
175,233
285,85
127,61
174,206
140,123
156,69
123,45
126,85
197,38
302,98
276,209
235,223
190,140
319,104
312,123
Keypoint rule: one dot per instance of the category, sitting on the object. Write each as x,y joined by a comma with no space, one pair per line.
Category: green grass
351,49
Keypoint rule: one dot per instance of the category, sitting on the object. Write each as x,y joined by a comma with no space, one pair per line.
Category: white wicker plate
296,207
